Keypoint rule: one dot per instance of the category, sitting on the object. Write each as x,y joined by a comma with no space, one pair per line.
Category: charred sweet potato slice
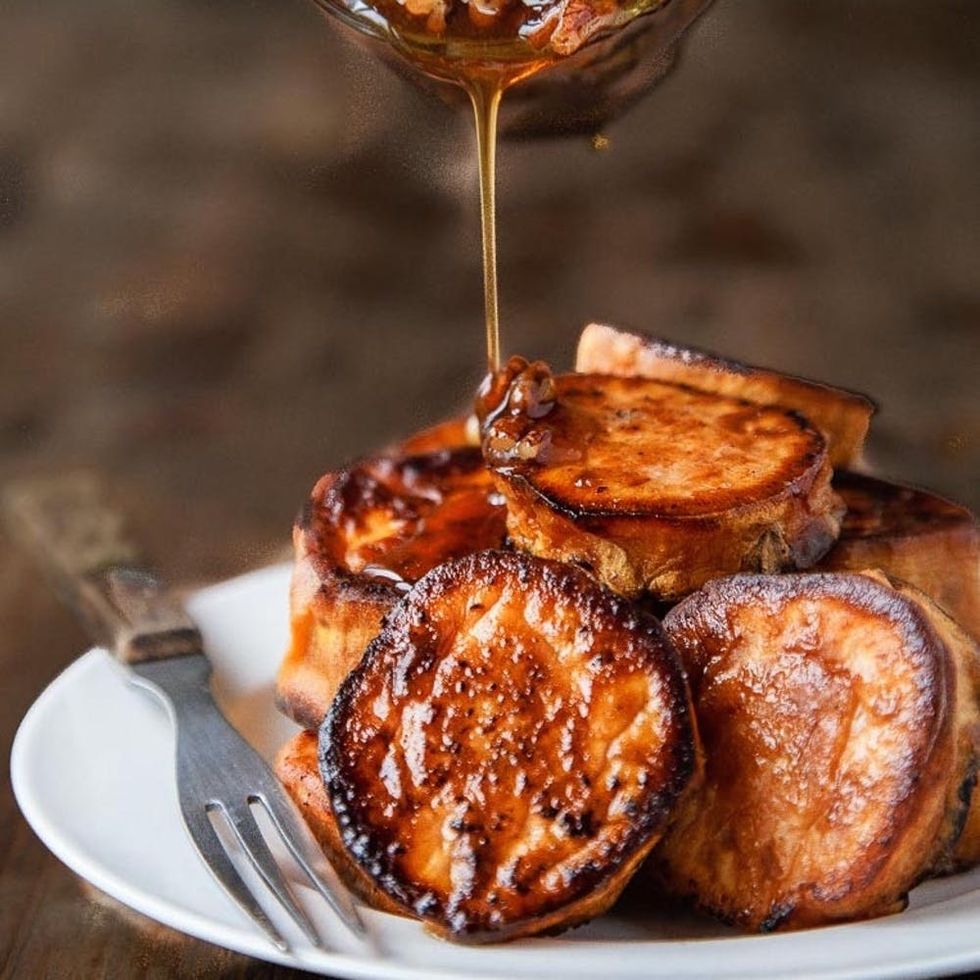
842,416
912,535
509,749
366,534
836,725
651,485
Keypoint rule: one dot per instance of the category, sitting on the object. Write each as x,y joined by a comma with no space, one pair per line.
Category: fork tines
221,779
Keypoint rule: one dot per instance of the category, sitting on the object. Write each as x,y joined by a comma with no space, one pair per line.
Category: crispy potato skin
509,749
834,718
842,416
365,535
959,840
912,535
655,486
933,545
298,769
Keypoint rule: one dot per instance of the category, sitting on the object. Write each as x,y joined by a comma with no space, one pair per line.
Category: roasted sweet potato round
366,534
655,486
842,416
509,749
834,723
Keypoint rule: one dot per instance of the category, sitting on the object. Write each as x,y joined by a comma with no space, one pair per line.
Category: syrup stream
485,53
485,97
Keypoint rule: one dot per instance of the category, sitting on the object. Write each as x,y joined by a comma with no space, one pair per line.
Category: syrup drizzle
483,64
484,49
485,89
485,99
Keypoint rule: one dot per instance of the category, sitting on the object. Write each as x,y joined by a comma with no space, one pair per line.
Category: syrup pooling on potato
651,485
824,703
587,436
509,748
508,404
396,518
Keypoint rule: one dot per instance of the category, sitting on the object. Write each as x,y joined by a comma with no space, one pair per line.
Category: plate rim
252,943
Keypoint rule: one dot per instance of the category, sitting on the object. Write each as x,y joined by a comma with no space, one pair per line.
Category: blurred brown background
235,251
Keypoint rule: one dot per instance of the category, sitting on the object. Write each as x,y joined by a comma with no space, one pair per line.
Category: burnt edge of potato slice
388,520
912,535
959,840
792,825
877,508
365,535
297,767
842,416
653,485
459,755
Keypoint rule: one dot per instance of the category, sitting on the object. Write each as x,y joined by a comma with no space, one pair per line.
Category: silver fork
81,540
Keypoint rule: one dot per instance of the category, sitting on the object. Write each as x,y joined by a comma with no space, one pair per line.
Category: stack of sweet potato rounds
498,731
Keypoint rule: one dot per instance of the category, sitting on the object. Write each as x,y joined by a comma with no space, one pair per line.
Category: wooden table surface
233,252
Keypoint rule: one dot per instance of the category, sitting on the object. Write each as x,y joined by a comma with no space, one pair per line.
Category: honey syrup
485,47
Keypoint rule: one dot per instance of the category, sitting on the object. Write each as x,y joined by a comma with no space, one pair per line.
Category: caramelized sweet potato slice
842,416
509,749
838,732
911,535
366,534
655,486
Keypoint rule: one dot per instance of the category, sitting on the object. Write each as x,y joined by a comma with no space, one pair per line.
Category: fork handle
82,542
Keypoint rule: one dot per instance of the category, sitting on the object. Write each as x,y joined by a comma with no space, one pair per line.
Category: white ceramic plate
92,771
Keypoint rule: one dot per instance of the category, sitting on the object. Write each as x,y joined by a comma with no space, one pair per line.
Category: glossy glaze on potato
836,727
366,534
913,535
654,486
509,749
842,416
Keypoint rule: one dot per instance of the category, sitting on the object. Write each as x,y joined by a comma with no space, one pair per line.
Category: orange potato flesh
654,486
834,749
509,749
366,535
